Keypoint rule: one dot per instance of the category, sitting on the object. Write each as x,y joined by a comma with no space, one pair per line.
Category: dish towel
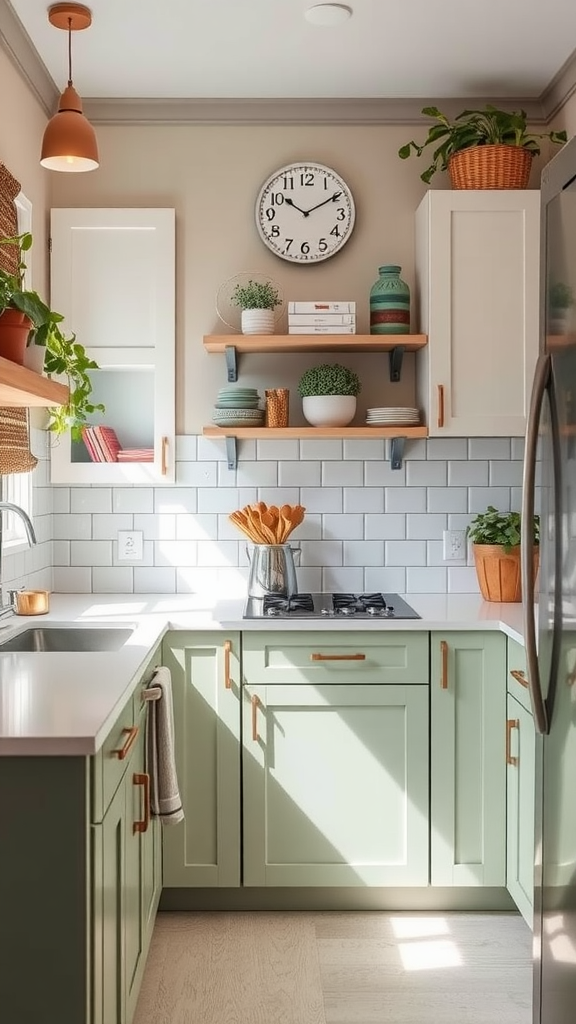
165,801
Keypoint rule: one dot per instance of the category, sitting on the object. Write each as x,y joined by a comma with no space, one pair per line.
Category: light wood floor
337,968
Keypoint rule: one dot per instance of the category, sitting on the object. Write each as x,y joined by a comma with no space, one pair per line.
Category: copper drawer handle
440,405
444,673
255,702
511,723
519,677
227,653
164,466
122,752
337,657
143,779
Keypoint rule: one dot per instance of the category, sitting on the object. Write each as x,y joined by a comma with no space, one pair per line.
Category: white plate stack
393,416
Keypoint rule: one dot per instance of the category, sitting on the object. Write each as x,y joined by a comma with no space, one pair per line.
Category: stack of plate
238,407
393,416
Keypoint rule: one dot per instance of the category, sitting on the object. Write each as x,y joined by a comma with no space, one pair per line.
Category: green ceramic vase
390,303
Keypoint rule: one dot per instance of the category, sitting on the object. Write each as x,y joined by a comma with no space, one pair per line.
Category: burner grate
358,602
296,603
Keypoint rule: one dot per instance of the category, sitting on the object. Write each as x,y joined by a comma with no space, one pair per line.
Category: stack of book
103,446
321,318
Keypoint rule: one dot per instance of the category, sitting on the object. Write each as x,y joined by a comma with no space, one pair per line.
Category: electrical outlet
130,545
454,546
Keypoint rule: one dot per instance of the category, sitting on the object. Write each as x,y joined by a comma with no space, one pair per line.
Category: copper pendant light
69,142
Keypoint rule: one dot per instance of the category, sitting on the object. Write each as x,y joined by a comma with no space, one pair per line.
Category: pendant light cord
69,51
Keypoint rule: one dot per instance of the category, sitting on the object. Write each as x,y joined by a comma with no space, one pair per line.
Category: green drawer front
335,657
108,766
517,664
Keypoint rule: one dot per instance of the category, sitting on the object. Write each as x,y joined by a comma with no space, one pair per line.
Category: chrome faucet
8,506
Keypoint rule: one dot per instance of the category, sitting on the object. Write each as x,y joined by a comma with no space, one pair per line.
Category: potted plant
257,300
329,395
40,328
487,148
495,540
560,301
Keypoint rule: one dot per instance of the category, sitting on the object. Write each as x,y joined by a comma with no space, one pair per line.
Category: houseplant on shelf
487,148
495,540
257,300
329,395
40,328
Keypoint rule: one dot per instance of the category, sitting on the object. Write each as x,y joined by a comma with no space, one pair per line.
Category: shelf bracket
396,452
231,363
231,453
396,355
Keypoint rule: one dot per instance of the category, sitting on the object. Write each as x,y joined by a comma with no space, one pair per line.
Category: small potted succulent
495,540
329,395
257,300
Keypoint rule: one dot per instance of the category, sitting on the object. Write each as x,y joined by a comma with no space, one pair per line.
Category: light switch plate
130,545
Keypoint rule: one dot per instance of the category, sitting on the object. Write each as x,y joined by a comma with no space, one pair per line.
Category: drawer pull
143,779
519,677
227,653
511,723
444,673
255,702
440,405
164,465
131,734
337,657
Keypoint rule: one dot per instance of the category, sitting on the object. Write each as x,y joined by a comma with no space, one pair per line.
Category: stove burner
350,604
277,604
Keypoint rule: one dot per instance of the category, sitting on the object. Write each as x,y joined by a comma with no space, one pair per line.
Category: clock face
305,213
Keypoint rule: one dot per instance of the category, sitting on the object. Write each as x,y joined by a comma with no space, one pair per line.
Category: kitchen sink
67,638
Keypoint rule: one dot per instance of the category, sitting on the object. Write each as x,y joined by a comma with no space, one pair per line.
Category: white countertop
66,703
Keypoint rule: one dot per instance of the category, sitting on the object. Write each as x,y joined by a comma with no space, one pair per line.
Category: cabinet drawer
516,675
335,657
111,761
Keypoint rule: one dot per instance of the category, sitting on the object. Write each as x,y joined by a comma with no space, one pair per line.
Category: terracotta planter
14,330
499,573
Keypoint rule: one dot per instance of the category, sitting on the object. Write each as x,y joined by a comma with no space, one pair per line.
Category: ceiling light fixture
328,14
69,142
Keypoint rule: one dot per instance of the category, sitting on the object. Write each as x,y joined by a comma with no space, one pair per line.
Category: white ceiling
266,49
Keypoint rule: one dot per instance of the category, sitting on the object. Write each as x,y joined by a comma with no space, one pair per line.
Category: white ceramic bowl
329,410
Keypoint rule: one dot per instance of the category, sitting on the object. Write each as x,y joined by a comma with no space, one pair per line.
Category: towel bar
153,693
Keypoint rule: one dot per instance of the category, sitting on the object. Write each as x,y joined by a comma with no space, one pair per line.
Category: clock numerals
307,179
287,181
270,213
276,198
340,213
322,245
335,231
288,242
275,232
305,248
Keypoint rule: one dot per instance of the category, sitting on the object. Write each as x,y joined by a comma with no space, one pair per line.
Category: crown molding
287,111
17,44
560,89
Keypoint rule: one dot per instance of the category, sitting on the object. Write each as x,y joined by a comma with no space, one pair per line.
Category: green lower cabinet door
204,850
521,744
335,785
136,818
109,849
468,770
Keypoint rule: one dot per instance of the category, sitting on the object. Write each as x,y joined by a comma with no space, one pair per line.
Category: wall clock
305,213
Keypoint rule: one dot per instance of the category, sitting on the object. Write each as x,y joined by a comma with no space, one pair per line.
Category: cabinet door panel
468,783
520,809
335,785
112,873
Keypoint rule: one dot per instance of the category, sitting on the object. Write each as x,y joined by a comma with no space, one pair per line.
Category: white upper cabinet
477,275
113,278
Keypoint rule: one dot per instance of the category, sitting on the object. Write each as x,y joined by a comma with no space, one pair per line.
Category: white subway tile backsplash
363,552
322,499
154,580
405,499
468,474
282,451
364,450
363,499
161,526
447,499
90,552
405,552
209,449
132,499
517,448
219,553
273,496
446,448
381,474
344,578
342,474
219,499
60,499
343,527
385,579
61,552
181,552
321,552
197,474
388,526
300,474
309,579
91,499
425,526
186,448
309,529
113,579
258,474
426,474
106,527
147,555
69,527
506,473
425,580
321,450
489,448
68,580
416,449
480,497
435,553
175,499
462,580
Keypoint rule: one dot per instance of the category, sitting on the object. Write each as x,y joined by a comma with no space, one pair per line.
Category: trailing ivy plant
504,528
329,379
476,128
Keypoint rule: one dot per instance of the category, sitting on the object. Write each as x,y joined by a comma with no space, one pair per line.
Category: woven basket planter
498,572
490,167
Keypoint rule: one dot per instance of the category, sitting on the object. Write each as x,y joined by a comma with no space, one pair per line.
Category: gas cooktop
329,606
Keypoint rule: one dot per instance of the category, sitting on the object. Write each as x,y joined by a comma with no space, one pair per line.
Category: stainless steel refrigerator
550,477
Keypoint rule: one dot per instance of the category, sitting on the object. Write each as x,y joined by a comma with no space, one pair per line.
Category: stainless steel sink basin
67,638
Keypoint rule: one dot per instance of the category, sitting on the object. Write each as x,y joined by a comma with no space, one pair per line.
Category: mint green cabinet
468,770
204,849
520,759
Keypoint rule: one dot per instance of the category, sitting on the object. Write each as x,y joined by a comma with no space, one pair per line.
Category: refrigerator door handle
541,381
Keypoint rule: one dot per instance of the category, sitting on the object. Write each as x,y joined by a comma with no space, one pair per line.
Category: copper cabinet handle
519,677
440,405
511,723
255,702
227,652
143,779
164,465
131,734
444,673
337,657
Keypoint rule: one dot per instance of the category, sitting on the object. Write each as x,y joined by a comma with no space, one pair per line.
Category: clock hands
290,202
332,199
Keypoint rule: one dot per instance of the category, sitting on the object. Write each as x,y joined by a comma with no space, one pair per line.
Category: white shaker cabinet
477,294
113,279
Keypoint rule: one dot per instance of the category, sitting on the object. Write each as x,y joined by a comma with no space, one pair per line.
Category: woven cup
277,407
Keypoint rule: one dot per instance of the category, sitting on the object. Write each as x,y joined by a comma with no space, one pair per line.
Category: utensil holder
277,407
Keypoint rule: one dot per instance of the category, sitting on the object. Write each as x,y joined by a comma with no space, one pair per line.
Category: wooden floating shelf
317,432
313,342
22,387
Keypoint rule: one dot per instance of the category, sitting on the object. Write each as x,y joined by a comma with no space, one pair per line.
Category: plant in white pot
257,300
329,395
